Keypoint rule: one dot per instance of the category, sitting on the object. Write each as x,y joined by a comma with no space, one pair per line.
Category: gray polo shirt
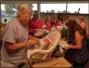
14,32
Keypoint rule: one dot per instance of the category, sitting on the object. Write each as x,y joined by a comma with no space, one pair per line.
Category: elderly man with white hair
15,39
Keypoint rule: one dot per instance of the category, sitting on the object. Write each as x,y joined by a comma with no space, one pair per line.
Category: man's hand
32,42
36,39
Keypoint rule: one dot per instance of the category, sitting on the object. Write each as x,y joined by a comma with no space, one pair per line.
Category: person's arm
12,47
44,26
31,37
78,40
31,30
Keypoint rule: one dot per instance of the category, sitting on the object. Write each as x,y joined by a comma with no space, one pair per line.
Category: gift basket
44,51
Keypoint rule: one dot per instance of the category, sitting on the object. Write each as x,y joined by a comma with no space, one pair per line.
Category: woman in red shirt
55,21
48,23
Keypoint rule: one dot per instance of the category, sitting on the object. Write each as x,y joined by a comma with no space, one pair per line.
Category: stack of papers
63,43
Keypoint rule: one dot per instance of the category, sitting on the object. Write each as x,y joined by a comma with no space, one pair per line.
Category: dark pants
79,65
69,55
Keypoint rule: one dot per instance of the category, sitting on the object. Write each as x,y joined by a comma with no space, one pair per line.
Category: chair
38,55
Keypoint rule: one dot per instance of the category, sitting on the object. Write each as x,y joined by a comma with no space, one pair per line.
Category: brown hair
73,26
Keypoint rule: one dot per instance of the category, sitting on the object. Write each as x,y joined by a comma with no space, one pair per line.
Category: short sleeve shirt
14,32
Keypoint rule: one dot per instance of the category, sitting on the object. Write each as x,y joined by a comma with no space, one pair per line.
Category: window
82,8
8,11
5,14
3,7
53,8
34,6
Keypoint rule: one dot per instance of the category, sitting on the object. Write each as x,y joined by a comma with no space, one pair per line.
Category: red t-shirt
48,26
32,25
56,23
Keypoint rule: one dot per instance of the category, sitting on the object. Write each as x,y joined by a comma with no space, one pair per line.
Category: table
54,62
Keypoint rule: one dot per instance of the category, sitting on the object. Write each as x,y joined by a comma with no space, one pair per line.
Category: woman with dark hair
77,47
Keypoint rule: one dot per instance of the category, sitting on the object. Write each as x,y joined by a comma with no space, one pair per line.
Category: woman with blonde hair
47,22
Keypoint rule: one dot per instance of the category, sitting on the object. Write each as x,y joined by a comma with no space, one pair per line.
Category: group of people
18,36
47,24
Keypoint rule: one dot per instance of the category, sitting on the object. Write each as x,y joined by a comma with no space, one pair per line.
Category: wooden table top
55,62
